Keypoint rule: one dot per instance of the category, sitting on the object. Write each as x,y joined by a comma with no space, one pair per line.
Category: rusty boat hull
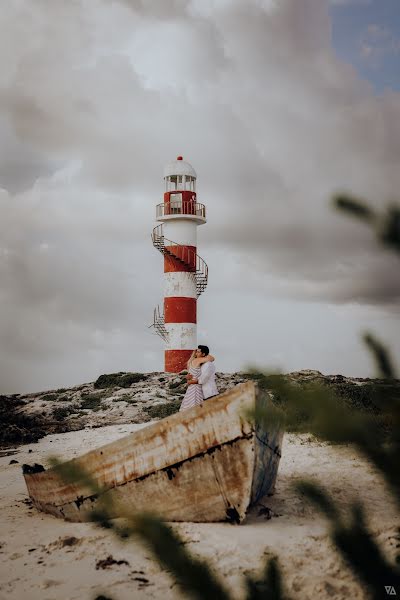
205,464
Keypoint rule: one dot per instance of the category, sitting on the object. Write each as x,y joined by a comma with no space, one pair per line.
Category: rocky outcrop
139,397
17,426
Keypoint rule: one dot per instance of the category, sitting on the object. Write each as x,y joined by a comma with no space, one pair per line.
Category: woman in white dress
194,392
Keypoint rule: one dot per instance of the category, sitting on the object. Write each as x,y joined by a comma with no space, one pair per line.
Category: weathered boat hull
205,464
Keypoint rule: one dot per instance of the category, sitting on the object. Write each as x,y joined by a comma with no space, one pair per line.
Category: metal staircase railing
188,257
182,254
159,324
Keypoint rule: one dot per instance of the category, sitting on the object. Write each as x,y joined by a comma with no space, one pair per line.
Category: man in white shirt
207,376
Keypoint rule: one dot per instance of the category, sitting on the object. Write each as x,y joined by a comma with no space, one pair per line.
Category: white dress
194,392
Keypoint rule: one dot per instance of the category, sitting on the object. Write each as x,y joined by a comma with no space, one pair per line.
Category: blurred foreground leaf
316,409
355,208
193,576
353,539
381,355
270,586
386,224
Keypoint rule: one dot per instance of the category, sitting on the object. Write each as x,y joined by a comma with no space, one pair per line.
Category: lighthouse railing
181,207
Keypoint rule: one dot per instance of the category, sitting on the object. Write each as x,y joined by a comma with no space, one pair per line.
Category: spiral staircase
196,266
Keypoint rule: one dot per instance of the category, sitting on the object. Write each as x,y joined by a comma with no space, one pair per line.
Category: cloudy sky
277,104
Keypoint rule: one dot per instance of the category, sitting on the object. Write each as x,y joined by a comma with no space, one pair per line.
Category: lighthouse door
176,204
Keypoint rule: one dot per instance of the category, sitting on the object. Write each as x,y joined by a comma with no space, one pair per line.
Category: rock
106,563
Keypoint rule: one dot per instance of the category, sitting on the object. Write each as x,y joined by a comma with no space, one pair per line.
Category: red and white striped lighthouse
185,272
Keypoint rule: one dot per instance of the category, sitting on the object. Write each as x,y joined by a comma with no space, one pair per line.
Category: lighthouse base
176,360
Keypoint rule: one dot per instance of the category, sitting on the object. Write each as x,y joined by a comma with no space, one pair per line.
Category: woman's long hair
192,356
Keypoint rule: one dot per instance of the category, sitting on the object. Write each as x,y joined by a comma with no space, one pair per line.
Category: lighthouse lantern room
185,272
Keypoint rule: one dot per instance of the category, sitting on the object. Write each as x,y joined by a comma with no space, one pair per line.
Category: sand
44,558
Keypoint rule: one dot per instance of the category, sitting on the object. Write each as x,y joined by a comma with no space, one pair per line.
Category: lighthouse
185,272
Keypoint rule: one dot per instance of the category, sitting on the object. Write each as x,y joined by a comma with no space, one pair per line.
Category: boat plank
212,487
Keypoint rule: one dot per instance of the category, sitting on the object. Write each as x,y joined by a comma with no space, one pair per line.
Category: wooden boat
208,463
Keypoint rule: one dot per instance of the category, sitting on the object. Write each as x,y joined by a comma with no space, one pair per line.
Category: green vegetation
126,398
175,384
61,412
367,398
177,388
351,417
159,411
50,397
92,401
118,380
129,399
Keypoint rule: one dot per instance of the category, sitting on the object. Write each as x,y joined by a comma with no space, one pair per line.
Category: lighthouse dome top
179,167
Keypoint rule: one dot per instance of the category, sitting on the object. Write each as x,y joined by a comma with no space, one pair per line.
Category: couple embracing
200,379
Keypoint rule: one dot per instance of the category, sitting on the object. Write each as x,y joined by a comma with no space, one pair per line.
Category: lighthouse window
171,183
176,204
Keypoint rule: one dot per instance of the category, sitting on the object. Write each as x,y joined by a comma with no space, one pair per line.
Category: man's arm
207,372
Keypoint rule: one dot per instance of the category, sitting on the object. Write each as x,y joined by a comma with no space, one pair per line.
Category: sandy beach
44,558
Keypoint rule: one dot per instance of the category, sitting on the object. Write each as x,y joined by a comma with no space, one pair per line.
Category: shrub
118,380
92,401
174,384
159,411
61,412
50,397
63,399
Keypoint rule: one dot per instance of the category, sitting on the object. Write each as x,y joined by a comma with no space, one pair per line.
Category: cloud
376,43
94,99
350,2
